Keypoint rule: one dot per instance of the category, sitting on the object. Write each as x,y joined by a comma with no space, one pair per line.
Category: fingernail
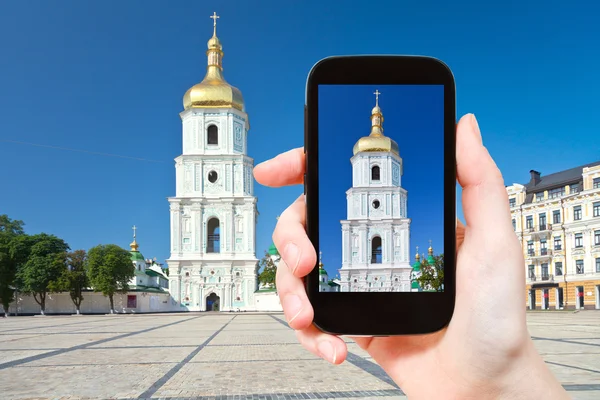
475,125
293,305
292,256
327,351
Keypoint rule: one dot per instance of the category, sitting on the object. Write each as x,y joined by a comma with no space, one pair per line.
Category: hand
485,351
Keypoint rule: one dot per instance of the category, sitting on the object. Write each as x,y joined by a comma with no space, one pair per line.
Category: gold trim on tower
376,141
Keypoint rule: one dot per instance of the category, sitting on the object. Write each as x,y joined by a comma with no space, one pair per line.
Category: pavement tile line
362,394
362,363
51,326
565,341
25,360
574,367
166,377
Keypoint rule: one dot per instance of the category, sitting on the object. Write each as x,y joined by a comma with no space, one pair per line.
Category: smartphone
380,190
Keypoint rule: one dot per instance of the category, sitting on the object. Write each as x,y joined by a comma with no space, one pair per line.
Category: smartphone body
380,184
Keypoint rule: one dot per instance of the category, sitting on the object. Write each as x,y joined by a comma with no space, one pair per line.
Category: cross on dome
214,18
377,93
134,229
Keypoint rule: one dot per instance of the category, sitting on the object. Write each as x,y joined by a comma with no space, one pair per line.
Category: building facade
557,219
375,235
213,265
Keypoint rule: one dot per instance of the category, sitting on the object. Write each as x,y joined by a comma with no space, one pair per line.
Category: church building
213,265
375,235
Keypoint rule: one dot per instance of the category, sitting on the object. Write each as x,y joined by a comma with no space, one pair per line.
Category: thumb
485,201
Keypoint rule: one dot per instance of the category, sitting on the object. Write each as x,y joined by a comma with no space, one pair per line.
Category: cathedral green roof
430,260
414,285
417,266
137,256
322,271
273,250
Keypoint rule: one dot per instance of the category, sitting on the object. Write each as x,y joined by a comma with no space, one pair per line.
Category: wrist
527,377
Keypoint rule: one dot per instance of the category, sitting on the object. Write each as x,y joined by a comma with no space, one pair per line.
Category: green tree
42,271
109,270
432,274
9,230
74,278
269,271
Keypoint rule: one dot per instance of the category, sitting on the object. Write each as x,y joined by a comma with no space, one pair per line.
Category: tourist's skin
485,351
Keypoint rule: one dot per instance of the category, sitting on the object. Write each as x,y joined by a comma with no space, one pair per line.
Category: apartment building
557,219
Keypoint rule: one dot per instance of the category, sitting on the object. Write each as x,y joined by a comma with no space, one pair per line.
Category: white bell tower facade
376,233
213,265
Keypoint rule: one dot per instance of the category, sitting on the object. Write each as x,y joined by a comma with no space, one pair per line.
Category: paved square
231,356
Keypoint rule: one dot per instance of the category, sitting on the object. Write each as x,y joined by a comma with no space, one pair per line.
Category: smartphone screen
381,188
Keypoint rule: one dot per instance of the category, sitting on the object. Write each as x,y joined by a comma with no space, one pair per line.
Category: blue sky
109,77
413,118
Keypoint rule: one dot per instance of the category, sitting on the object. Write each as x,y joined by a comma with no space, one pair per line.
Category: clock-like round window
213,176
376,204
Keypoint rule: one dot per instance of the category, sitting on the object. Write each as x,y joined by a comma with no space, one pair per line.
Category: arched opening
376,250
375,173
213,302
213,244
212,135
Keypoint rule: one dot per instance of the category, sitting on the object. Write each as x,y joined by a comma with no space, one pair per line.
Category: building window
187,274
545,275
596,183
212,135
596,238
530,247
597,264
556,217
376,250
558,192
542,218
596,209
529,222
558,269
557,243
375,173
213,244
577,213
543,247
512,202
531,272
539,196
579,266
579,240
514,222
574,188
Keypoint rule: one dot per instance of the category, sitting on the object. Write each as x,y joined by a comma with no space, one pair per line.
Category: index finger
285,169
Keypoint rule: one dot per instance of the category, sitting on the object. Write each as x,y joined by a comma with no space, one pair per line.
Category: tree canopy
109,269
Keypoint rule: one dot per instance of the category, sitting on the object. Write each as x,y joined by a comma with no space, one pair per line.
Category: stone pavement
231,356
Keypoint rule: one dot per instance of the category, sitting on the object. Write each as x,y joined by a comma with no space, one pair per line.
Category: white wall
95,303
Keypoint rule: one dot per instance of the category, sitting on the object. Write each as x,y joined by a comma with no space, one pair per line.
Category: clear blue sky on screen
109,77
413,118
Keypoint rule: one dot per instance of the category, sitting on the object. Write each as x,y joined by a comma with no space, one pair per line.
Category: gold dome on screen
376,141
214,91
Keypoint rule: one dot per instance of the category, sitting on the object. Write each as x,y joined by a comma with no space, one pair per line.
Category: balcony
542,230
544,280
541,254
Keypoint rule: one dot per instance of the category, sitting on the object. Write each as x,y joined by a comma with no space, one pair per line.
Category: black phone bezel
381,314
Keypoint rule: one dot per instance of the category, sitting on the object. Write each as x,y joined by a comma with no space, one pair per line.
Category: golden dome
134,246
214,91
376,141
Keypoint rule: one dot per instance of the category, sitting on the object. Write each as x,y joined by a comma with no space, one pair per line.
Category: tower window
212,135
375,173
213,176
213,244
376,250
376,204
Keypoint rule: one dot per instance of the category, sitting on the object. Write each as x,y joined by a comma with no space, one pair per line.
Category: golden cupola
376,141
214,91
